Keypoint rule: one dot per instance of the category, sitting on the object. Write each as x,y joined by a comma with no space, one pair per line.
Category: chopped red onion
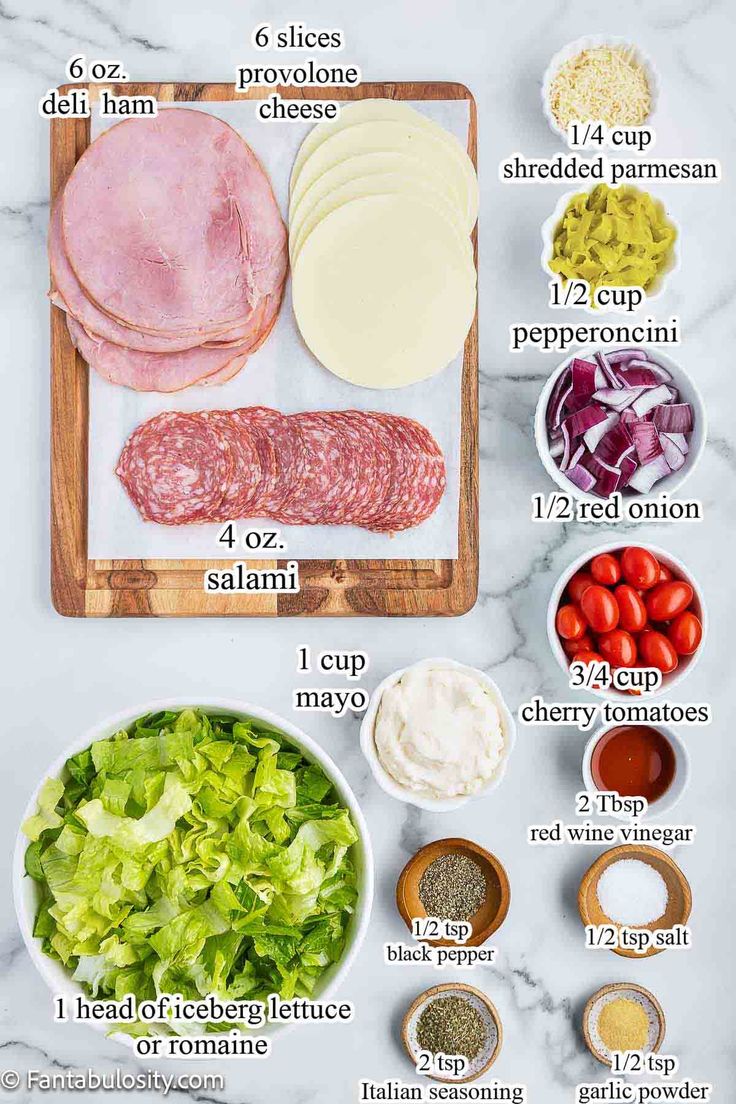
618,399
650,398
616,423
644,479
676,418
674,457
581,477
646,440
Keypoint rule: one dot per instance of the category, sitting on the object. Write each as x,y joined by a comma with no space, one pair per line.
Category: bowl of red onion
628,420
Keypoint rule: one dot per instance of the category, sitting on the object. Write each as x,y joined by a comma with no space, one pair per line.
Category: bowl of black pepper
453,881
452,1033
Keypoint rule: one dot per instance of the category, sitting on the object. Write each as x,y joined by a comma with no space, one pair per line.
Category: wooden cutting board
82,587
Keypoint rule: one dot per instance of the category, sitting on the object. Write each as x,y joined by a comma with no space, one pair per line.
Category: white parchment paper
283,374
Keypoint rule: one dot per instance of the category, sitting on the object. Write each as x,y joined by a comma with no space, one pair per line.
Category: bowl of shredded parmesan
600,80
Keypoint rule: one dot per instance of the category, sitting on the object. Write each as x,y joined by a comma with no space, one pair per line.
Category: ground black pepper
453,887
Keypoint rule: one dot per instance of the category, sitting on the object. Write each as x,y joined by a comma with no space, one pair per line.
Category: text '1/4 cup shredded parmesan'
605,84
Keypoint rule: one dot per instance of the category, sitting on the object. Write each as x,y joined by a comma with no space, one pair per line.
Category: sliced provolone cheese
384,292
411,185
383,110
417,142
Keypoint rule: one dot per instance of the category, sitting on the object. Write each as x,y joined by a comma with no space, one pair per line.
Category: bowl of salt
635,889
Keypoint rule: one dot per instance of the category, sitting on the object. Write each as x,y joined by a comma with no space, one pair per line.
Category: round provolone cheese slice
361,165
383,110
391,183
417,142
384,293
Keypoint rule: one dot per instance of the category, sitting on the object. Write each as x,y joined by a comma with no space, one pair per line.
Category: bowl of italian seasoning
455,880
598,79
620,1018
452,1033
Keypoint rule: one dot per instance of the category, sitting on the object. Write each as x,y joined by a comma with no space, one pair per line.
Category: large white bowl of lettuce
197,849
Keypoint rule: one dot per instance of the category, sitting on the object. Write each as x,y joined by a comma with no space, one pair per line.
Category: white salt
632,893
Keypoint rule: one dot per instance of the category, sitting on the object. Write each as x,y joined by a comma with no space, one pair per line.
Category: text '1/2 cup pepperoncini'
613,237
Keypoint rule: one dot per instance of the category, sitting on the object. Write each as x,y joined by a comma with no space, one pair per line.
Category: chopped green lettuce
193,854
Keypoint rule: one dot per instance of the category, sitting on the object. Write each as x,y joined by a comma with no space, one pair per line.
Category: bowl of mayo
437,733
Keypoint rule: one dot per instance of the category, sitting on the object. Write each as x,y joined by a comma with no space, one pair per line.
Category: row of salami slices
168,252
382,472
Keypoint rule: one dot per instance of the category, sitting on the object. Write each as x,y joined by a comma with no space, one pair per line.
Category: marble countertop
61,675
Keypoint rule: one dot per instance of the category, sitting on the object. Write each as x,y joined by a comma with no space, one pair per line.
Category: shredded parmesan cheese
606,84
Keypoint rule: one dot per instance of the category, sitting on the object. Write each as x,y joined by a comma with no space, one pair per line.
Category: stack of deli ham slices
168,252
382,472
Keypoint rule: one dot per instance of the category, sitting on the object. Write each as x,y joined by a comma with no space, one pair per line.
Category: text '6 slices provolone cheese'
384,293
382,203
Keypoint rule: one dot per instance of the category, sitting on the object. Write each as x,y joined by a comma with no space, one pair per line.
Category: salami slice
419,478
170,225
241,495
279,445
316,488
379,471
176,469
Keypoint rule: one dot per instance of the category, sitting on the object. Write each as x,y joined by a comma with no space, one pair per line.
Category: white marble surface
60,674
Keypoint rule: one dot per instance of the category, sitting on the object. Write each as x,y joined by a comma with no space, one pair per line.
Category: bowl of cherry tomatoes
631,606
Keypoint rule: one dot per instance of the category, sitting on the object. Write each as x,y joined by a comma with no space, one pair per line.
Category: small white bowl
689,392
426,801
26,893
679,783
591,42
677,568
548,232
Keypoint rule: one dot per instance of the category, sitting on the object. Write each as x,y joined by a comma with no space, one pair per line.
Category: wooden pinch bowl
679,903
483,1061
489,916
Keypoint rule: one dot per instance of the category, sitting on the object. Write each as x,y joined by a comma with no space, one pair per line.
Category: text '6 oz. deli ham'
382,472
168,252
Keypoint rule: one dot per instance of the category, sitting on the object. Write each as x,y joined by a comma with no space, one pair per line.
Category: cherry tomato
605,569
640,567
599,608
582,644
655,650
685,633
667,600
665,575
587,657
618,647
632,611
570,623
580,582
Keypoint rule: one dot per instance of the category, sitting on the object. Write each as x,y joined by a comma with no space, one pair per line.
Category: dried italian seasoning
453,887
452,1025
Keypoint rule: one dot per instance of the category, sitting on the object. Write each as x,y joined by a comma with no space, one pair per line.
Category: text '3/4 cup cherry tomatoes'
640,568
599,608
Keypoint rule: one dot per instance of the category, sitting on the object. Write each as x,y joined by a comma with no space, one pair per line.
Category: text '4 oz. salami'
378,471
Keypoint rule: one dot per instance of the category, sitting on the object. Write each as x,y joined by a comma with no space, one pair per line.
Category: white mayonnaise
438,732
